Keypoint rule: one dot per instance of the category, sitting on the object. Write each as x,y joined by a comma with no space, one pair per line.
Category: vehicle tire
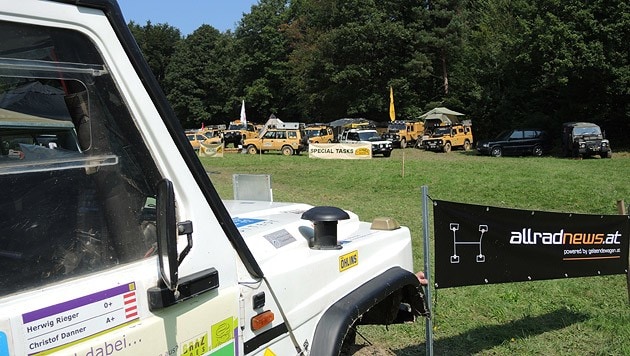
537,151
251,149
467,145
496,151
606,155
403,143
387,154
287,150
447,147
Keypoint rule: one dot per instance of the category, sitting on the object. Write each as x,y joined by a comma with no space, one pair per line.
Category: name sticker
76,319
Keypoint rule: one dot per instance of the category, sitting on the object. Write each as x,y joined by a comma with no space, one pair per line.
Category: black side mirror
167,234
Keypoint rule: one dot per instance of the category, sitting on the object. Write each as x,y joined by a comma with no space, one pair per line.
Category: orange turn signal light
262,319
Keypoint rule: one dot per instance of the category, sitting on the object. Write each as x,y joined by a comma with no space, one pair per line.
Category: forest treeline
504,63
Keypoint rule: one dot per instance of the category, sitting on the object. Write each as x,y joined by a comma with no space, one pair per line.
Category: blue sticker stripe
240,222
4,344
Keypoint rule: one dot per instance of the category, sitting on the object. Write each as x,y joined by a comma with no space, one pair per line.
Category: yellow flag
392,112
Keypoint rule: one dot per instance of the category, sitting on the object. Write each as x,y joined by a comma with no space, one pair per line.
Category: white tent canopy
445,115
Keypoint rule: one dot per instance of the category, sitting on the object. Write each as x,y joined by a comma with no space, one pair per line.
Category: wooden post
403,163
621,207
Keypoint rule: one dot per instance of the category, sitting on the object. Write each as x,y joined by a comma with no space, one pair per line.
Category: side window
270,134
530,134
516,134
292,134
77,180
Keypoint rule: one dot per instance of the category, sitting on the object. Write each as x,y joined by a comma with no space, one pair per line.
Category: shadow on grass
487,337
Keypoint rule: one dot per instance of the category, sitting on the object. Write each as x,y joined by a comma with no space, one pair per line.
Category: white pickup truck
113,240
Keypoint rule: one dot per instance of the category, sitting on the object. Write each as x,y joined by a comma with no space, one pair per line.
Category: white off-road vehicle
379,145
113,240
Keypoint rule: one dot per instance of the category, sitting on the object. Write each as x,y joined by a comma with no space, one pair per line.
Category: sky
187,15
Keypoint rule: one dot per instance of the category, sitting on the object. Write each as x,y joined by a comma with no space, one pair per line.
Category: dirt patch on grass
367,350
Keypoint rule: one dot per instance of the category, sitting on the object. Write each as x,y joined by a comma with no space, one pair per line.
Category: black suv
580,139
516,142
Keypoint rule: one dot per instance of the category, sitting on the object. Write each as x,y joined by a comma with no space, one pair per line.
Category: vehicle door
458,137
280,141
530,139
268,140
78,234
292,139
513,145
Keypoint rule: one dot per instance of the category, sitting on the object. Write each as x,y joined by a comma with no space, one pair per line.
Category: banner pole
427,270
621,208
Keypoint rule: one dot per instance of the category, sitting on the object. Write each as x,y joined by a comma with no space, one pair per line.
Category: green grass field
584,316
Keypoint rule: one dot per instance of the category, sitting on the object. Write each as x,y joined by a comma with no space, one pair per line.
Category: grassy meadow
585,316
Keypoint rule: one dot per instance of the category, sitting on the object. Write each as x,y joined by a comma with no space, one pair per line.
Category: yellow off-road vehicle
237,132
404,133
446,138
214,133
196,139
287,141
319,134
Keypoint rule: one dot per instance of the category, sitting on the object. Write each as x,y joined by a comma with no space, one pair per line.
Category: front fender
375,302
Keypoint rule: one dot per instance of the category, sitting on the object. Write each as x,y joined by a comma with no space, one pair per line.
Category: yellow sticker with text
196,347
348,260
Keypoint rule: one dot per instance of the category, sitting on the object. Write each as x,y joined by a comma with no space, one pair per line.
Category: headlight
582,144
485,145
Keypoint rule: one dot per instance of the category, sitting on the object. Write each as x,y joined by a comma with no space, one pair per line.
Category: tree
201,77
261,56
157,43
348,53
442,35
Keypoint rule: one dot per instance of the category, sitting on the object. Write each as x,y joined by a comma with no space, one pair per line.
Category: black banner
486,245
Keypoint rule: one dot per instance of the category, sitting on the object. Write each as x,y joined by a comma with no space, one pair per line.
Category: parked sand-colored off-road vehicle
404,133
237,132
446,138
287,141
319,134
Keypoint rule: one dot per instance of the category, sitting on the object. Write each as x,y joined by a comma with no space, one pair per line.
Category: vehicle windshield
312,132
398,127
369,136
236,127
593,130
442,131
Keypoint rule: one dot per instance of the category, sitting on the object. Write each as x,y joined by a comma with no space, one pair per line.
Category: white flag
243,116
